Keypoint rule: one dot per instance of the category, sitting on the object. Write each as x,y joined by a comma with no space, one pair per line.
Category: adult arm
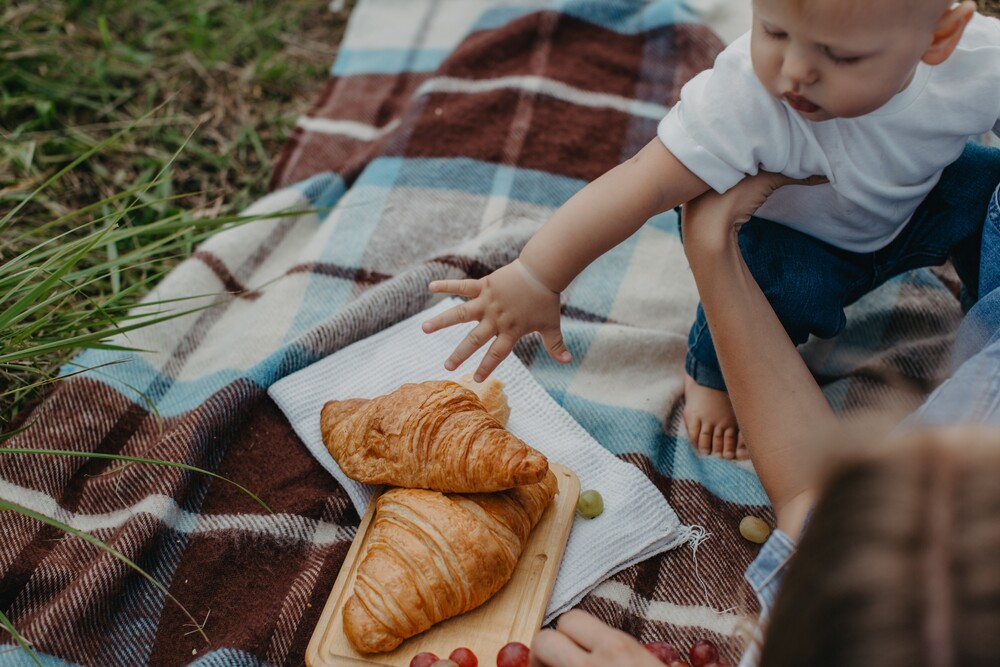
524,296
778,404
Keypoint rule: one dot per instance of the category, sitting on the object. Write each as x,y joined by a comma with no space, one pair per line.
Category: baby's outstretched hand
508,303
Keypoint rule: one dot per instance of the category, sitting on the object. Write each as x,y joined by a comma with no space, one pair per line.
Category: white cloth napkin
637,522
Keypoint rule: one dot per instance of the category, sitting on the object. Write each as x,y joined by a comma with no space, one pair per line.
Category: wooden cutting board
514,614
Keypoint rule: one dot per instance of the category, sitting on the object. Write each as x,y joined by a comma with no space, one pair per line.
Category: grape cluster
514,654
702,653
460,657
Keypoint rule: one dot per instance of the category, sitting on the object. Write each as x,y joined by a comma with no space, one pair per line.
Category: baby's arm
524,296
608,211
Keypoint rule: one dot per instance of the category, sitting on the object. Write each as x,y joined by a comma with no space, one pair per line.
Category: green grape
590,504
754,529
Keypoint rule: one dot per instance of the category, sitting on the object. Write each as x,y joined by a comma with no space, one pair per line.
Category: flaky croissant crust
432,435
431,556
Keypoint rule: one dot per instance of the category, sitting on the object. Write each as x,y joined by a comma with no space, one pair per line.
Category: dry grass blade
22,642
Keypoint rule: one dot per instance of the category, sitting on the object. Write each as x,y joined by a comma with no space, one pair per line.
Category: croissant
491,395
431,556
432,435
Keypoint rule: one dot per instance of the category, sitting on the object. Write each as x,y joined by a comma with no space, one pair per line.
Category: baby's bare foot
742,453
711,422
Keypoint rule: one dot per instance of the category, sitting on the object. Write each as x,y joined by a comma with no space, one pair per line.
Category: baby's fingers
475,340
498,351
553,341
463,312
468,287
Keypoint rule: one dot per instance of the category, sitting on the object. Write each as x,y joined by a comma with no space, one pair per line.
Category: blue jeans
972,393
809,282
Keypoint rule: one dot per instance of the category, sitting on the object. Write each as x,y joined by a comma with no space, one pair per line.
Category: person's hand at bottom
580,640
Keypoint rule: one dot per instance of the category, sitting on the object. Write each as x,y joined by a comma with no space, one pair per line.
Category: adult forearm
780,407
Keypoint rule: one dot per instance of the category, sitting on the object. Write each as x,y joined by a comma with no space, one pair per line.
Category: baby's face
838,58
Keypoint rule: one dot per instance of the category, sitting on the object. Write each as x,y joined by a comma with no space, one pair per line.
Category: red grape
664,651
703,653
464,657
514,654
679,663
444,662
425,659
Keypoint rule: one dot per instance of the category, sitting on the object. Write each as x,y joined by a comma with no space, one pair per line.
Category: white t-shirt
880,165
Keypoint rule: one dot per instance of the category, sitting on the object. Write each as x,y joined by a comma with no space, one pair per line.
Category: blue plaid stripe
628,17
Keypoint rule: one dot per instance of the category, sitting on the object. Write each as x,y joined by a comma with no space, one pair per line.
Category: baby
879,98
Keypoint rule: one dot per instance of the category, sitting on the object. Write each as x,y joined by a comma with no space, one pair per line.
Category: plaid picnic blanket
448,131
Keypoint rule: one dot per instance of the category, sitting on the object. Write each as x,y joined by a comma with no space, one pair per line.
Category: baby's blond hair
921,11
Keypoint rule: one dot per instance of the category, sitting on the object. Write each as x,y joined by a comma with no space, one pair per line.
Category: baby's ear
948,31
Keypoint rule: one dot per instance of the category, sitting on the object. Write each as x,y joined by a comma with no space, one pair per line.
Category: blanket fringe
694,536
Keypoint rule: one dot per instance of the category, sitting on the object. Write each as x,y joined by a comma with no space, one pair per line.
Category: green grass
210,91
129,132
